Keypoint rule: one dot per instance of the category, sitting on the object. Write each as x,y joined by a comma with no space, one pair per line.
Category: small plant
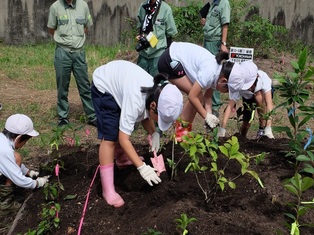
152,232
196,146
49,218
297,186
183,222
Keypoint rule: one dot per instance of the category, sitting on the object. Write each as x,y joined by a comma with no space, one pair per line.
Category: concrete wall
24,21
296,15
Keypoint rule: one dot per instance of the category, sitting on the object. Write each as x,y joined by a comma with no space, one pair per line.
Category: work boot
182,128
7,202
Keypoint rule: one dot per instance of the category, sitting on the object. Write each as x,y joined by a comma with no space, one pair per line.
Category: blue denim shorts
108,115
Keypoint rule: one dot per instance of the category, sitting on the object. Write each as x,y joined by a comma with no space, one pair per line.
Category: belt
71,50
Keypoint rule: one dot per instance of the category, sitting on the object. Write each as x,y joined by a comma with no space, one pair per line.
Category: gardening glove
221,132
33,174
148,173
41,181
155,142
211,120
268,132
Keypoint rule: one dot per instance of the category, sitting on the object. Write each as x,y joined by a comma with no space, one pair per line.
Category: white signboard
240,54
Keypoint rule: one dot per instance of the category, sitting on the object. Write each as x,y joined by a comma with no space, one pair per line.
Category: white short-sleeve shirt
263,84
199,64
123,80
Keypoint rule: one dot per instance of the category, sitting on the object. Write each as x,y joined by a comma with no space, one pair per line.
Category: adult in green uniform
68,22
155,16
215,27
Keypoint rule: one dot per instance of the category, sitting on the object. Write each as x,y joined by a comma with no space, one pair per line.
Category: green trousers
214,48
65,62
149,65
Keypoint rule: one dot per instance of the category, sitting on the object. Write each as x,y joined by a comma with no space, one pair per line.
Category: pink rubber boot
107,182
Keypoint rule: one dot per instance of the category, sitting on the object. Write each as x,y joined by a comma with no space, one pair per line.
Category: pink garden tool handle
158,163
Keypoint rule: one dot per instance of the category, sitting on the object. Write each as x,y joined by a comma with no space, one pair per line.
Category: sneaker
92,123
63,122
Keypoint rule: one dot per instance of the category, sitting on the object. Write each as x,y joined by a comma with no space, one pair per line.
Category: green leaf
70,197
232,185
224,150
302,59
291,189
303,158
307,183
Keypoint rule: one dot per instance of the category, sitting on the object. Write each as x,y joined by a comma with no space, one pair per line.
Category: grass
28,86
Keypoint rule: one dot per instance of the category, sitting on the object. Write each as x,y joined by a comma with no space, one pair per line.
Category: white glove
33,174
155,142
149,174
41,181
221,132
268,132
211,120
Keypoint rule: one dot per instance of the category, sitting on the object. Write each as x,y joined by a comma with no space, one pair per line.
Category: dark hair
13,136
153,93
227,66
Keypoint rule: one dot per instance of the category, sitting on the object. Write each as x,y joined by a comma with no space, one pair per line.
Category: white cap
20,124
242,76
170,105
250,70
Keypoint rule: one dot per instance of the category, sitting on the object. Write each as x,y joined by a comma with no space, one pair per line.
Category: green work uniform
69,23
217,16
163,28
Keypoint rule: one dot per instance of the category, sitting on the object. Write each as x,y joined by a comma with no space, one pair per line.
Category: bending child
256,94
123,94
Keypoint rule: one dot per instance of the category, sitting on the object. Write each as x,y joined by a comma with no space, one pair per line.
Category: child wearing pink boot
124,94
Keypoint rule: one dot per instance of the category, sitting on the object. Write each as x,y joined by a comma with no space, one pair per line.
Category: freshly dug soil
248,209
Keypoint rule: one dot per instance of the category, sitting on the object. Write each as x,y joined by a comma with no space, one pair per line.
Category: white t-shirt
123,80
263,84
199,64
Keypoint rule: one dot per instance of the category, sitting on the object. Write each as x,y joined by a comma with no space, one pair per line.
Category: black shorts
249,105
166,65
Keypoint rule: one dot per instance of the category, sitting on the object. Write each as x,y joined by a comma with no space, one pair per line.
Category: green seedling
152,232
183,222
297,185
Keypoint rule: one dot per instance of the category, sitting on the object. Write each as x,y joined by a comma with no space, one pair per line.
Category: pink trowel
158,163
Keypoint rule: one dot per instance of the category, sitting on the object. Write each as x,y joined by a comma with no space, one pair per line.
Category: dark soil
248,209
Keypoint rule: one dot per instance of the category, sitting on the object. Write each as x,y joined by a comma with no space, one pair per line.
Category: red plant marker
87,132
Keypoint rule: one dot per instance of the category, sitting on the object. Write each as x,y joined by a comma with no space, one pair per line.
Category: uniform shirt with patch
263,84
123,80
198,63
